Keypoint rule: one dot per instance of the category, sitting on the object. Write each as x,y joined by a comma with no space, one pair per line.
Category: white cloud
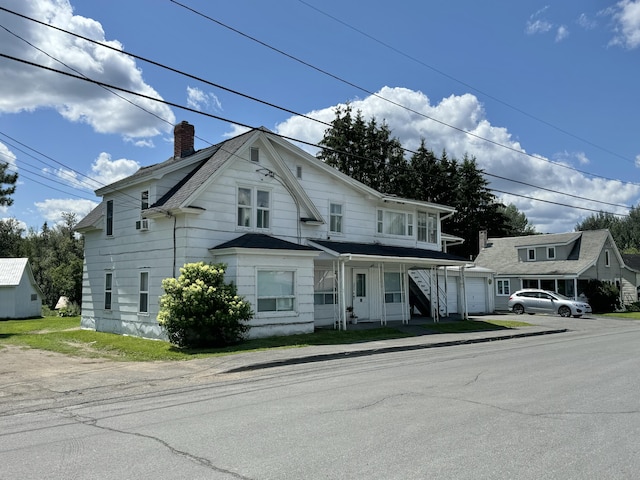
52,209
637,161
585,22
26,88
561,33
538,26
199,100
501,156
103,172
7,156
626,15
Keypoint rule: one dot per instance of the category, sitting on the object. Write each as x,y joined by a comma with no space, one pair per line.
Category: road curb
321,357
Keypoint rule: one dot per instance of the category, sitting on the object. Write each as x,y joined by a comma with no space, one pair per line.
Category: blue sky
543,94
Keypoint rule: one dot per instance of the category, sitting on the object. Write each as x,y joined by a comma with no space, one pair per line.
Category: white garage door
476,295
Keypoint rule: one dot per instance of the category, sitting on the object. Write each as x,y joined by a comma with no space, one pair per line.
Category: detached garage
20,296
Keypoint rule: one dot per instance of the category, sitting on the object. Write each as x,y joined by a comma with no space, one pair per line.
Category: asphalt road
563,406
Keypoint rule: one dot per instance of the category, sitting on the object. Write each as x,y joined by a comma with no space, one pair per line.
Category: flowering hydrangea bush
199,310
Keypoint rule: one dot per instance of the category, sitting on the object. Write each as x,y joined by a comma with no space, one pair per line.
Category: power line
373,94
316,120
450,77
217,117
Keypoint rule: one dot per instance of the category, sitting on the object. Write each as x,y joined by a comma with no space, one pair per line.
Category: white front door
360,293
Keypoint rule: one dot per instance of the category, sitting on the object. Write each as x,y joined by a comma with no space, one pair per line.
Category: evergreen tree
517,222
10,180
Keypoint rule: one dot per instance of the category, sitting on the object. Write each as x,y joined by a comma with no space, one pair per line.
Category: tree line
367,152
55,254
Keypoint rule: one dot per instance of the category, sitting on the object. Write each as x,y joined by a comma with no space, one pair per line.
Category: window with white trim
394,223
255,154
427,227
531,254
143,304
144,200
392,287
108,288
335,218
324,289
551,253
503,287
109,218
254,207
276,291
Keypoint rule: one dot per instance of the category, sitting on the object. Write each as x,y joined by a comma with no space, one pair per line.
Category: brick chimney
183,134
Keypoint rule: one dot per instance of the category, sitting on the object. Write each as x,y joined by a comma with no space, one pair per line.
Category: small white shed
20,296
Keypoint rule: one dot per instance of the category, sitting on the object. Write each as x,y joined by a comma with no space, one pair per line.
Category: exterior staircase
426,294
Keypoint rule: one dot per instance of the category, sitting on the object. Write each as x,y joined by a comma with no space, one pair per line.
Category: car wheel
518,309
564,311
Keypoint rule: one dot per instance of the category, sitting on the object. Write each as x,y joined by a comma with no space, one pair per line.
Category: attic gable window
335,218
109,219
255,154
607,259
144,200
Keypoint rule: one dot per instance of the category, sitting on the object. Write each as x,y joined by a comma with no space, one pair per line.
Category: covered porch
358,283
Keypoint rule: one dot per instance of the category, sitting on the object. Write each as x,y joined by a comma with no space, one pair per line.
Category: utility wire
450,77
371,93
217,117
313,119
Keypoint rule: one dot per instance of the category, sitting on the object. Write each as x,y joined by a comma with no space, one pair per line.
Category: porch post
383,311
446,289
403,295
343,302
465,314
575,288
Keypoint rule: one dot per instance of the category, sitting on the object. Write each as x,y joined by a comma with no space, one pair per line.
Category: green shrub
199,310
71,310
603,296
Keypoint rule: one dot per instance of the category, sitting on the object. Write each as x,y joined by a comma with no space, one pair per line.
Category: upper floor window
531,254
109,217
551,253
607,259
255,154
144,200
298,171
253,208
427,227
335,218
395,223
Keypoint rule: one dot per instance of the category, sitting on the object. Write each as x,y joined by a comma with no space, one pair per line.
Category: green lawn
63,335
630,315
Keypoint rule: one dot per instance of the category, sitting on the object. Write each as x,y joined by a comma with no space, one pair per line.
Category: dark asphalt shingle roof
261,241
379,250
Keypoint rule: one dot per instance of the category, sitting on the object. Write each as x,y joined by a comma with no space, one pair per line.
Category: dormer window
255,154
551,253
531,254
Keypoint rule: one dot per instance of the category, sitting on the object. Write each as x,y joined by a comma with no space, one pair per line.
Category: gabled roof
11,270
501,254
92,220
388,252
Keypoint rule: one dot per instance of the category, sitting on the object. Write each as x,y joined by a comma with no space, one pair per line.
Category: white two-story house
305,244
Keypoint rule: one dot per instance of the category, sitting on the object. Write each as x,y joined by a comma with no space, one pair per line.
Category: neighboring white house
305,244
20,296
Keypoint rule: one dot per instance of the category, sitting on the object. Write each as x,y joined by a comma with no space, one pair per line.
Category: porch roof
389,253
